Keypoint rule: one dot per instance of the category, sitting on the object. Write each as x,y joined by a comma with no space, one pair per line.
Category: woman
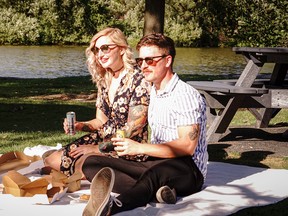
122,101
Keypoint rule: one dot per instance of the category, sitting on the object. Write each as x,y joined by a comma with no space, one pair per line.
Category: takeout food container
58,179
19,185
15,160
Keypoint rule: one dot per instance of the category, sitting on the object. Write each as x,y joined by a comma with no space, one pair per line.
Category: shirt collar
169,87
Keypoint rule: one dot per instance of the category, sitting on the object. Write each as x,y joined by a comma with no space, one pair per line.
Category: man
177,155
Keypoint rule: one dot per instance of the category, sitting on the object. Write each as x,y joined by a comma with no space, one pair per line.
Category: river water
63,61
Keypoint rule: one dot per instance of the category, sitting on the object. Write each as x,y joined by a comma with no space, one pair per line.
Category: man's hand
126,146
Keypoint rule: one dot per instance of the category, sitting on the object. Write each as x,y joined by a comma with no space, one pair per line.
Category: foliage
16,28
262,23
127,15
217,20
197,23
181,24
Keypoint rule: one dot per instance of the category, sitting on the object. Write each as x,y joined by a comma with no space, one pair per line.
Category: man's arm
137,119
183,146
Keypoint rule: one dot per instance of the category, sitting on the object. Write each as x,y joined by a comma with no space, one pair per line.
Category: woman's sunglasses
106,48
149,60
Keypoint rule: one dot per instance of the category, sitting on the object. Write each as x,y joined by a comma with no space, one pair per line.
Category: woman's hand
79,126
65,126
84,149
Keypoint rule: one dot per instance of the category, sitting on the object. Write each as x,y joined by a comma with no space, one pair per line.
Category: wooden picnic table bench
262,97
226,88
217,95
258,83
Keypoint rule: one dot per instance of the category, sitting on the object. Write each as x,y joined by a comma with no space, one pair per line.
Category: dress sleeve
134,91
141,93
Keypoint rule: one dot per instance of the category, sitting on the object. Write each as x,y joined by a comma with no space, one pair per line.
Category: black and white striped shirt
179,104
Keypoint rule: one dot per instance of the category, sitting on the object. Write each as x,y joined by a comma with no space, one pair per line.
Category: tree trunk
154,16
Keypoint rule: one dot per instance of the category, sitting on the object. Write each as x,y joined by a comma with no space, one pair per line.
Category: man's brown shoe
166,195
100,200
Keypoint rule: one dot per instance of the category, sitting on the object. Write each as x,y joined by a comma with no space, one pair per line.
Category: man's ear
168,60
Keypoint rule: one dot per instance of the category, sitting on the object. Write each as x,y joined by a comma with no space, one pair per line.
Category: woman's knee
53,160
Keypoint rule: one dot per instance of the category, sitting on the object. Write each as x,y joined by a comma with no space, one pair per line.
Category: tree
154,16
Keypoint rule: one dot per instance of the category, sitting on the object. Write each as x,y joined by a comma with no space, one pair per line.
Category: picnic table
264,98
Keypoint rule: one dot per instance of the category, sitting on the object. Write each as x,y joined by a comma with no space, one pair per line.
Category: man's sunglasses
106,48
149,60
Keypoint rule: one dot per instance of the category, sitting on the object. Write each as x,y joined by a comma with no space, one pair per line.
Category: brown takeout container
19,185
15,160
72,183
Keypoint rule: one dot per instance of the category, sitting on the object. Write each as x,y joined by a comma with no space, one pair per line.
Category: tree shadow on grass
218,152
25,117
242,134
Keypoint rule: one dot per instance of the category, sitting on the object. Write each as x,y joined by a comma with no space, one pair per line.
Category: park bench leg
223,119
211,115
266,115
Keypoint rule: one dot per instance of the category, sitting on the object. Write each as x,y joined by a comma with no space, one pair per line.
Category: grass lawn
29,118
32,112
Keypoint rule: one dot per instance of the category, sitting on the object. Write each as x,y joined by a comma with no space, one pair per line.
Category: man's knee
89,167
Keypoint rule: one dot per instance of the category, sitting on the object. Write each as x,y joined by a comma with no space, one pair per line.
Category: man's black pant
138,182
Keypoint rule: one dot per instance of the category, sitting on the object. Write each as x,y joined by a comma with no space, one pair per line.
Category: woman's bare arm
94,124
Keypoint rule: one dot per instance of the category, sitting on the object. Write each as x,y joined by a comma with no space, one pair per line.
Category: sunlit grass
18,141
244,117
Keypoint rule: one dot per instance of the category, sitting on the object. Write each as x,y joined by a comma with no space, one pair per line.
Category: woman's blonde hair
99,74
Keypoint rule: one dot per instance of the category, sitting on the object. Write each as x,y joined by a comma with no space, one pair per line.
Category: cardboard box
15,160
20,186
58,179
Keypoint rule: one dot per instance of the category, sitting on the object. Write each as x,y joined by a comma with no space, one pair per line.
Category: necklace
114,72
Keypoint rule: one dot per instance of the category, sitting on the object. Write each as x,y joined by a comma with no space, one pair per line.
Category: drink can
120,133
71,118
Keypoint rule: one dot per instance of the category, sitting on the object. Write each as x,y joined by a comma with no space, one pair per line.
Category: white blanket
228,188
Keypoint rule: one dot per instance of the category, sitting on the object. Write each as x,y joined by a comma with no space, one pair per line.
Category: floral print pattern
133,90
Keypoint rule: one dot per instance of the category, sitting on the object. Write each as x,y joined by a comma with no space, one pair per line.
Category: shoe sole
166,195
101,186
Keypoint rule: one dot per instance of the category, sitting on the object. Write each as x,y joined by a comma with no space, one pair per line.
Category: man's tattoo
137,117
137,111
194,133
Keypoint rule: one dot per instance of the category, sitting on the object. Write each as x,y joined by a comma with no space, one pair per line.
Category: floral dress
133,90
